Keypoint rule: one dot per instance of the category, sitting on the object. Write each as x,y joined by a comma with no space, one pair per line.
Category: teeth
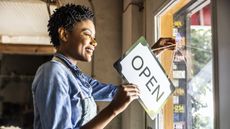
89,50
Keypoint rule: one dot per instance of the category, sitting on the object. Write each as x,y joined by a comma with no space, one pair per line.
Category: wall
152,7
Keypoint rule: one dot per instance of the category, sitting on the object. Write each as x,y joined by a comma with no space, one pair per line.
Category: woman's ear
63,34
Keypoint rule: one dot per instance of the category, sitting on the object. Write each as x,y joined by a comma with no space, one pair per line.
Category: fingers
167,41
133,95
125,95
131,91
170,40
130,88
164,43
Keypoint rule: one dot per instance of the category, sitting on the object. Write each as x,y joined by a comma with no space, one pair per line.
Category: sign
140,66
179,125
179,108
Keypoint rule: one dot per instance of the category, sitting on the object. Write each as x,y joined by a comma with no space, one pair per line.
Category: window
189,66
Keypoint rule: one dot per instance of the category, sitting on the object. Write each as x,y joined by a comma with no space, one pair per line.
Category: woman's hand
162,44
125,95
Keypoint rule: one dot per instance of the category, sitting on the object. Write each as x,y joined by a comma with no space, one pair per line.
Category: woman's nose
93,42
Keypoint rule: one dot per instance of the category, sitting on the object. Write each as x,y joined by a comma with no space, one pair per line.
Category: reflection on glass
199,76
192,70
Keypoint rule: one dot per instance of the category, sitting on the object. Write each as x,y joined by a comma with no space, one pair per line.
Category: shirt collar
68,63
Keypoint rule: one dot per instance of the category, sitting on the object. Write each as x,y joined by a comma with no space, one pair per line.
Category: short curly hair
67,16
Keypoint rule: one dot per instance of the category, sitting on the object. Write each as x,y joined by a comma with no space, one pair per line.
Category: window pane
189,22
193,99
199,78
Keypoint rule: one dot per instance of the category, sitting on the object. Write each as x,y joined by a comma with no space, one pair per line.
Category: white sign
179,125
141,67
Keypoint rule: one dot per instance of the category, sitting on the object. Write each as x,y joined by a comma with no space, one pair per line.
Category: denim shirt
57,95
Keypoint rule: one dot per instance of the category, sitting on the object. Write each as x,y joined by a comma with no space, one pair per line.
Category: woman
64,97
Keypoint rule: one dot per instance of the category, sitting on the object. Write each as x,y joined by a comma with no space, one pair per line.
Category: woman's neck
70,58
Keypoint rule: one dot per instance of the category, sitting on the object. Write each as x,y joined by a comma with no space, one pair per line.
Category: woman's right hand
163,44
125,95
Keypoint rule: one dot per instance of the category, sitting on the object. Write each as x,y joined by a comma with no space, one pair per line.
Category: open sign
139,66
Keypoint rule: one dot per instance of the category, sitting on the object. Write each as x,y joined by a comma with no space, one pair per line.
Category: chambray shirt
56,94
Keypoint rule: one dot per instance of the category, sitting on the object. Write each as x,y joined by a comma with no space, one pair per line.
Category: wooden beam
26,49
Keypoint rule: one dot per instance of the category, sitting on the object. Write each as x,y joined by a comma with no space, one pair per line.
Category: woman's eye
88,35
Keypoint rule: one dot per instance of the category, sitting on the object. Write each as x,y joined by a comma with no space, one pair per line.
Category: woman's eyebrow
87,29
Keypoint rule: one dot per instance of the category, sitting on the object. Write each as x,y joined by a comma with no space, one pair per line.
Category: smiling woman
64,97
78,43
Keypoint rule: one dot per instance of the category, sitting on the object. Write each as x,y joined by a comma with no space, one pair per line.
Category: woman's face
81,41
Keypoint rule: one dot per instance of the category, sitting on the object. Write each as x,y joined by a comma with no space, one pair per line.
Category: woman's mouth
89,50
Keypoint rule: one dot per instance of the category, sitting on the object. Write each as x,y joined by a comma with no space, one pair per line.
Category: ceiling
24,18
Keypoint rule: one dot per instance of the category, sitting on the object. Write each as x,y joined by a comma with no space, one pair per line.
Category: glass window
189,66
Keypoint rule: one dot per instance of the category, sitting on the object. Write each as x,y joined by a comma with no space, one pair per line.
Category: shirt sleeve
101,91
53,101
